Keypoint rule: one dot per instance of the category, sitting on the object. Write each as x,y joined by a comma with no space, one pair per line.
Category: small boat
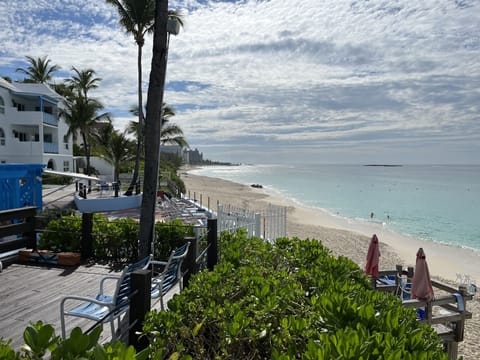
108,203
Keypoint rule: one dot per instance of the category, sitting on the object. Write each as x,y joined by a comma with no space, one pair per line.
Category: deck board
29,293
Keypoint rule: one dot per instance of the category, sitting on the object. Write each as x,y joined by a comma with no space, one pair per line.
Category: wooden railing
446,313
17,230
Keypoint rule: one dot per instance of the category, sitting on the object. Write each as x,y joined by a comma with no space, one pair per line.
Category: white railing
269,224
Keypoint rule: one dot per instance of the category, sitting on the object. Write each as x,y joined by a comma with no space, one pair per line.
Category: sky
283,81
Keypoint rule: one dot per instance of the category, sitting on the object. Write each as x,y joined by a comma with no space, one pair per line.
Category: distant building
31,130
171,149
192,157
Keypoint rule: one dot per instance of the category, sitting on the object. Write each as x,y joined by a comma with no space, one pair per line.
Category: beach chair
103,307
170,275
404,288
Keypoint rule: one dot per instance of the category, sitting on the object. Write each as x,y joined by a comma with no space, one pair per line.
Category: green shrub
115,240
42,343
291,300
170,235
62,234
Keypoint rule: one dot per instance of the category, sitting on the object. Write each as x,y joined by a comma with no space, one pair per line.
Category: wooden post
460,325
190,261
31,234
212,238
86,248
139,306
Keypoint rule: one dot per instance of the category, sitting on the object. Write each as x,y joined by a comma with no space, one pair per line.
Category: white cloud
269,77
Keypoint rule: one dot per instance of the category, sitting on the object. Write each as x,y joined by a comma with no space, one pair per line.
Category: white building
30,128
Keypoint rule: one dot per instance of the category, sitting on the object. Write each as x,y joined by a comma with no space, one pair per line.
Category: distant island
384,165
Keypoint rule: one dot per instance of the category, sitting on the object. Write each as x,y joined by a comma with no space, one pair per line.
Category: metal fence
269,224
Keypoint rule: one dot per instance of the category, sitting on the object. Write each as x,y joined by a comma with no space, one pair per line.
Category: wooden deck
29,293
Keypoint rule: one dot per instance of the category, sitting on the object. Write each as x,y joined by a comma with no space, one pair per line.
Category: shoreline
350,239
445,261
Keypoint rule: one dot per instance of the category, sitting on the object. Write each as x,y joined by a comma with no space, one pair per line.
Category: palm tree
82,117
39,71
169,133
137,18
152,126
115,147
83,81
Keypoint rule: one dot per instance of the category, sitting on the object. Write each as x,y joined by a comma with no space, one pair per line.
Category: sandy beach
351,239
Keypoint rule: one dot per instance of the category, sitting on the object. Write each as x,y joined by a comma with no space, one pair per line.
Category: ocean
439,203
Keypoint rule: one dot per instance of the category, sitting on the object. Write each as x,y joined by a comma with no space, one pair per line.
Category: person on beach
371,215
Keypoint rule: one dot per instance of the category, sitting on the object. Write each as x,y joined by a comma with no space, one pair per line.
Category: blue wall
20,185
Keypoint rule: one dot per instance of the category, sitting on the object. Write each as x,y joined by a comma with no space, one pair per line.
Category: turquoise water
435,203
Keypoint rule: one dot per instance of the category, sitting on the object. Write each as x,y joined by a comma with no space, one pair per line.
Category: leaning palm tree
39,70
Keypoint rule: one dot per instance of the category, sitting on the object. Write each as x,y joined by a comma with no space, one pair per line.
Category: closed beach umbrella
373,257
422,285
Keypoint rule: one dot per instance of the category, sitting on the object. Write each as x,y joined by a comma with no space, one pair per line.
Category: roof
35,89
4,83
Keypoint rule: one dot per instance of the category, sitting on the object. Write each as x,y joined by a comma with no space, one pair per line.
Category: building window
2,106
2,137
66,166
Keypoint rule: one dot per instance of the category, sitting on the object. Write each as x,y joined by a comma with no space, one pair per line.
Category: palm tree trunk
87,156
152,127
138,156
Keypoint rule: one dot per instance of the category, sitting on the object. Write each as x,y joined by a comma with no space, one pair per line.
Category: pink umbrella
422,285
373,256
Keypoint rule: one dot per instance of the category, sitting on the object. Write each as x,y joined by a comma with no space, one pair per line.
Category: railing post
31,234
191,260
139,307
87,238
212,238
258,225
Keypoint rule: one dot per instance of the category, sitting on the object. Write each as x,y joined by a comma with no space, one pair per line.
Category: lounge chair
170,275
103,307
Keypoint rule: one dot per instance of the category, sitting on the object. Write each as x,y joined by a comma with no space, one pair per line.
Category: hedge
290,300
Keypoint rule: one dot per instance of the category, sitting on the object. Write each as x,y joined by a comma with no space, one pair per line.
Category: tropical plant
137,18
288,300
83,81
39,70
152,127
82,113
115,147
42,343
169,133
82,117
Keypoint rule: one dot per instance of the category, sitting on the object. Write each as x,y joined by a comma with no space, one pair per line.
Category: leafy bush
115,240
170,235
291,300
42,343
62,234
